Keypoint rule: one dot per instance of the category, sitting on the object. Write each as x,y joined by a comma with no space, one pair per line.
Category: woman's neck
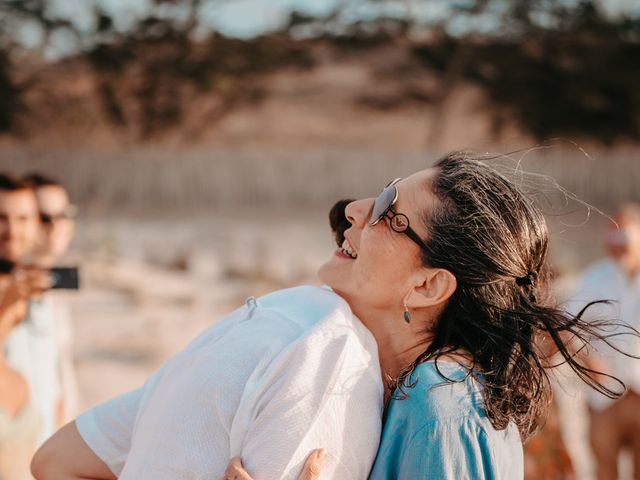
398,352
399,343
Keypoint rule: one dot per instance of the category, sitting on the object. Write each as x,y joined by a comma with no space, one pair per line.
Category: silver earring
407,315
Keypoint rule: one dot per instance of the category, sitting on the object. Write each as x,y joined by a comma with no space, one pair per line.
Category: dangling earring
407,315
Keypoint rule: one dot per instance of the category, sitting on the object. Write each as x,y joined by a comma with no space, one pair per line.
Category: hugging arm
93,447
316,395
66,456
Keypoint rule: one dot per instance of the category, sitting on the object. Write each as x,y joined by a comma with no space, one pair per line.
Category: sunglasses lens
382,204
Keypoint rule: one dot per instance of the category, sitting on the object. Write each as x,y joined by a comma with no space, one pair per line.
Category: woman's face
387,262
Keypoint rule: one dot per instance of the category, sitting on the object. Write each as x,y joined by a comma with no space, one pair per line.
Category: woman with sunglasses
463,255
447,270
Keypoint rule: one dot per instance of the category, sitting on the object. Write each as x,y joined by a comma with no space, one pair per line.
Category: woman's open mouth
348,250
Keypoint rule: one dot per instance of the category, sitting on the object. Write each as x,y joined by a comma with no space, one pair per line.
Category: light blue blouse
441,432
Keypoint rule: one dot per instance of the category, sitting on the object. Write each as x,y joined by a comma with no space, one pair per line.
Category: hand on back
310,471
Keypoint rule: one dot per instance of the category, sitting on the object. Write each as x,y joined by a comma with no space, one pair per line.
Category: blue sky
246,18
238,17
250,17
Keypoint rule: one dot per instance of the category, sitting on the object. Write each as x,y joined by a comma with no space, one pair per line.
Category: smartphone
65,277
61,277
6,266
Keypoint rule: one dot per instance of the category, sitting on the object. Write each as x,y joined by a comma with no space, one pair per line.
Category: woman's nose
358,211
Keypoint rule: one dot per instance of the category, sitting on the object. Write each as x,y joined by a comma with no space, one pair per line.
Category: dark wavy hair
494,240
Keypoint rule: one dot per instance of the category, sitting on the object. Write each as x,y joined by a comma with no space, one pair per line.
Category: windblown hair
494,240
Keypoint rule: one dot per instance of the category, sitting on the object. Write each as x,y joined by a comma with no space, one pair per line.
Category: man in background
57,226
615,424
57,220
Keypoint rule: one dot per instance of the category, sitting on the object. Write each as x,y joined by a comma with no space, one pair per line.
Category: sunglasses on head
399,222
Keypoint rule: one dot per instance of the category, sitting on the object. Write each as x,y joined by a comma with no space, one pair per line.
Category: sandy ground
150,285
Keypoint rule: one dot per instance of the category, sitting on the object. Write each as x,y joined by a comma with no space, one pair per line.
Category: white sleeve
321,392
107,428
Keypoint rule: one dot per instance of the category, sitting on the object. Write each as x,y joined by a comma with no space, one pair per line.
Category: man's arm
93,447
320,392
59,413
66,456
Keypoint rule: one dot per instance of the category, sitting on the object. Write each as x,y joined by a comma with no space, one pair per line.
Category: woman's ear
436,288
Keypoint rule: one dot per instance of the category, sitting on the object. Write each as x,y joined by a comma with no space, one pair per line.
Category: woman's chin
328,274
322,274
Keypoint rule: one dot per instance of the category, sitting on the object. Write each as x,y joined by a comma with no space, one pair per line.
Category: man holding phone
33,346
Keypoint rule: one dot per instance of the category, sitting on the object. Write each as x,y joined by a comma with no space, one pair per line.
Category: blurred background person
32,347
615,424
19,219
57,225
57,215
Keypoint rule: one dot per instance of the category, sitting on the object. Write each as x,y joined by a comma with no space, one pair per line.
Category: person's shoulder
324,318
440,391
320,298
306,304
432,373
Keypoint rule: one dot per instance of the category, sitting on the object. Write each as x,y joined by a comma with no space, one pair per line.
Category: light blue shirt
441,432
